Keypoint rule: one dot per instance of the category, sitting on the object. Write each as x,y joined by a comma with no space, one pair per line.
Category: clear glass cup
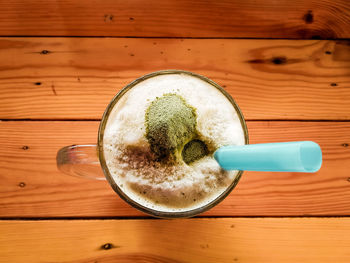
88,160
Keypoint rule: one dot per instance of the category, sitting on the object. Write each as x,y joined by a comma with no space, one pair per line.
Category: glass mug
89,161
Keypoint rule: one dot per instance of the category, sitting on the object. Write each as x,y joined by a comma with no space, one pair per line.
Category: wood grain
31,186
189,240
75,78
182,18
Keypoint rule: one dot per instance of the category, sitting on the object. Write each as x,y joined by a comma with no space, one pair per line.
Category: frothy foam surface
180,187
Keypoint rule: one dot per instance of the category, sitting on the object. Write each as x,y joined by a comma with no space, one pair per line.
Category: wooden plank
182,18
75,78
32,187
207,240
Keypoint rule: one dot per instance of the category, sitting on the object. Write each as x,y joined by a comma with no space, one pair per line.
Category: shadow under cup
120,192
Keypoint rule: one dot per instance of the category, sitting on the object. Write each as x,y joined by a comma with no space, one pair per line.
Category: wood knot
37,83
107,246
204,246
22,184
279,60
348,179
109,18
345,144
328,52
334,84
44,52
25,147
308,17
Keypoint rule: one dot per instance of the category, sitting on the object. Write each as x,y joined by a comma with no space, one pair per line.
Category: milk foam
170,188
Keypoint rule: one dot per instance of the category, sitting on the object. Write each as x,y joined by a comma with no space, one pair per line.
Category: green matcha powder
171,130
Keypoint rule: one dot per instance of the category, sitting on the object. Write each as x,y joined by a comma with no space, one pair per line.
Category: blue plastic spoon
303,156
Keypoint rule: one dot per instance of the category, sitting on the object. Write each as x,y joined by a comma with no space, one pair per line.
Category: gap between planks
160,37
248,120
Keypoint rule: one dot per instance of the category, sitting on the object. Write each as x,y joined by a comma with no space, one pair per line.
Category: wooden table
286,63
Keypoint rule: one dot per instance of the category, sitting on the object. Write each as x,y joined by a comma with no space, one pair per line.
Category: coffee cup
165,141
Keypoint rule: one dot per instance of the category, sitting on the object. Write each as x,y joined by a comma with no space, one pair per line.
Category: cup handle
81,161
